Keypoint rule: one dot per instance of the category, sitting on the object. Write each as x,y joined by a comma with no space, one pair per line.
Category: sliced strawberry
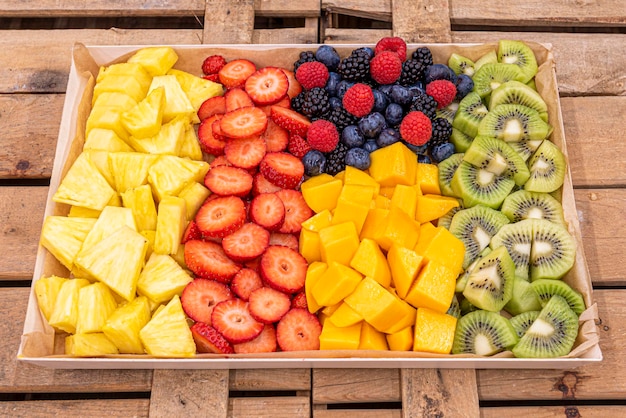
212,106
276,138
191,232
294,85
264,343
209,142
284,102
267,85
286,240
227,180
218,161
283,269
290,120
267,210
208,340
262,185
296,210
246,243
235,72
268,305
245,153
299,301
212,77
243,122
236,99
221,216
282,169
233,320
298,330
245,282
216,129
206,259
200,296
254,264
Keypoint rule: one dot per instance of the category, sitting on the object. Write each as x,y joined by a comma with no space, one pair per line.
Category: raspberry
443,91
416,128
213,64
358,100
298,146
312,74
386,67
322,135
393,44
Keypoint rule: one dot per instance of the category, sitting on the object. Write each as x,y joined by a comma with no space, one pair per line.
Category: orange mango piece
401,340
339,242
404,264
370,261
427,177
433,331
313,273
337,282
371,339
340,338
405,199
359,177
394,164
309,241
427,232
321,192
431,207
344,316
353,205
446,249
433,288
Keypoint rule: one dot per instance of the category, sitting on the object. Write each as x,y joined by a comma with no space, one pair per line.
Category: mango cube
375,217
309,242
353,205
371,339
434,331
397,228
404,264
370,261
337,282
339,243
355,176
405,199
382,202
336,338
427,232
321,192
344,316
446,249
401,340
433,288
427,177
431,207
313,273
394,164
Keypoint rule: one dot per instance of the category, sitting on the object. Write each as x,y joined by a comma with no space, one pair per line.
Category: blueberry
464,84
386,90
332,83
401,95
423,158
438,72
370,145
387,137
442,151
418,86
328,56
314,163
380,101
342,87
335,102
371,125
367,49
352,137
394,114
421,149
358,158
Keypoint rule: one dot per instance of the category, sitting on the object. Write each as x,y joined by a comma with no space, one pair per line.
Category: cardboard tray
40,345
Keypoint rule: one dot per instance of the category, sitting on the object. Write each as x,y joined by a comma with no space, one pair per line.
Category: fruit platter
383,205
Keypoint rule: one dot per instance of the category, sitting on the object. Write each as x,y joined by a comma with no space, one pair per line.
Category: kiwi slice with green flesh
446,219
461,64
552,334
553,251
547,169
517,238
524,298
513,123
546,288
526,148
491,76
461,281
520,54
461,140
477,186
523,204
490,283
447,168
532,84
454,309
448,112
523,321
498,157
490,57
466,307
472,110
515,92
475,227
484,333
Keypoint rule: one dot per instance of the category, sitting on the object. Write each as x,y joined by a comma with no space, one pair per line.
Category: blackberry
296,102
305,56
424,103
315,102
356,66
423,55
442,129
341,118
412,72
336,159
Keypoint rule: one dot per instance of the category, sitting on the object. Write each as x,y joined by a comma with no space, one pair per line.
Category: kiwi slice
447,168
466,307
498,157
524,298
461,140
491,76
470,113
553,250
490,57
526,148
515,92
446,219
517,238
523,204
448,112
513,122
532,84
484,333
490,283
523,321
461,64
546,288
461,281
475,227
454,309
547,169
520,54
552,334
477,186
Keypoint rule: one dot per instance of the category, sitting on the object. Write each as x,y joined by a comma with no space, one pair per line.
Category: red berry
268,305
298,330
245,153
236,98
208,340
264,343
246,243
295,87
393,44
283,269
245,282
200,296
284,239
243,122
299,301
206,259
209,142
386,67
192,232
312,74
268,211
221,216
282,169
218,161
443,91
322,135
262,185
213,64
298,146
212,77
233,320
213,106
228,180
236,72
416,128
289,119
358,100
296,210
267,85
276,138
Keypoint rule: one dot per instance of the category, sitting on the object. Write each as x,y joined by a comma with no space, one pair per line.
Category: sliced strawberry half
296,210
290,119
298,330
233,320
283,269
216,129
267,210
236,99
243,122
218,161
206,259
284,102
246,243
209,141
294,85
268,305
264,343
245,153
235,72
286,240
227,180
212,106
245,282
208,340
276,138
299,301
200,296
191,232
262,185
267,85
221,216
282,169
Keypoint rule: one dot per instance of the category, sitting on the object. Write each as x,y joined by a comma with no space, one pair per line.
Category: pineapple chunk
115,100
106,117
124,324
125,68
197,88
176,101
84,185
162,278
149,235
63,237
80,212
170,174
139,200
130,169
89,345
156,60
168,334
46,291
105,139
171,223
144,119
95,304
168,140
65,313
131,84
100,159
194,194
116,261
190,147
179,257
111,219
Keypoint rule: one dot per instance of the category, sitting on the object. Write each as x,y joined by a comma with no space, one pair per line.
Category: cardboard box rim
38,340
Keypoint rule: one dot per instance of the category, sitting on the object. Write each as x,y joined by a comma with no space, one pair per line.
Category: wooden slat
306,35
601,411
275,407
375,10
76,408
361,413
51,8
421,20
354,36
229,22
287,8
339,386
277,380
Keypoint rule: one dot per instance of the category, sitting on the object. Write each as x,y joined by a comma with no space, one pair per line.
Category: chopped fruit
262,185
216,129
208,340
167,334
284,102
227,180
282,169
268,211
220,160
212,77
235,73
213,64
416,128
209,142
289,119
295,87
268,305
161,278
267,85
386,67
213,106
276,138
393,44
243,122
312,74
358,100
286,240
206,259
298,146
264,343
236,99
245,153
221,216
298,330
246,243
296,210
299,301
443,91
283,268
245,282
233,320
322,135
200,297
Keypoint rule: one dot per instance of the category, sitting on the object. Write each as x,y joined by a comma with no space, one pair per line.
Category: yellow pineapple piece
144,119
170,174
106,117
80,212
131,84
89,345
116,261
95,304
65,313
168,334
197,88
139,200
162,278
105,139
84,185
130,169
150,235
156,60
124,324
63,236
190,148
125,68
115,100
168,140
110,220
176,101
194,194
171,223
179,257
100,159
46,291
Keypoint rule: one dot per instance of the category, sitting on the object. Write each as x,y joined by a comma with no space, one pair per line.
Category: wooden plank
274,406
341,386
306,35
76,408
421,20
354,36
596,411
51,8
375,10
287,8
277,380
228,22
361,413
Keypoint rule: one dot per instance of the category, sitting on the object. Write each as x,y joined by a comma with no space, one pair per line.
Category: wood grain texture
554,411
339,386
361,413
273,406
353,36
52,8
277,380
287,8
112,408
421,20
306,35
375,10
228,22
